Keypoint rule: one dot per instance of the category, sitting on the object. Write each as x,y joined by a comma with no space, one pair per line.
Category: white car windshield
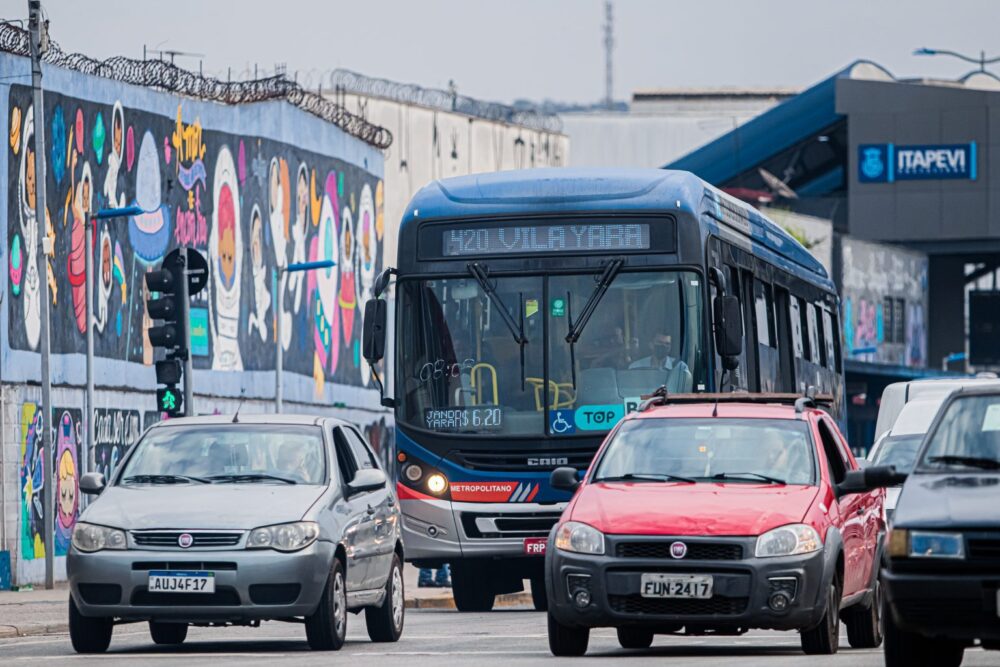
237,453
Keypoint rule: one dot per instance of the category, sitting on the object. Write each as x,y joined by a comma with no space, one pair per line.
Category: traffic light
168,284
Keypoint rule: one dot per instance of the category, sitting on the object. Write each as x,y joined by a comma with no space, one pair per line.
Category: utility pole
188,357
609,46
38,39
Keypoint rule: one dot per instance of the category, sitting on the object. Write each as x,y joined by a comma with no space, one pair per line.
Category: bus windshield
465,367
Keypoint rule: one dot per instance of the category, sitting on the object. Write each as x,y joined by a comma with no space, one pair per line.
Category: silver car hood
193,506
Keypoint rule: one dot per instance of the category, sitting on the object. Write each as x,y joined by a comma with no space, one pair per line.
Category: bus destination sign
521,239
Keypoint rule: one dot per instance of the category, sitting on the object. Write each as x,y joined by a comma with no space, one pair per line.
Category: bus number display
485,418
519,239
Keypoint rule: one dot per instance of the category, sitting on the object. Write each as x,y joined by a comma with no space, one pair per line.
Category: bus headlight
413,472
437,483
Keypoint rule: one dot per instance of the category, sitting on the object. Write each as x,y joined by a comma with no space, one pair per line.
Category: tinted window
217,452
900,451
362,455
702,449
967,437
345,458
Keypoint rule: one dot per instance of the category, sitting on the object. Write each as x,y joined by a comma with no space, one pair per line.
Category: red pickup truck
714,515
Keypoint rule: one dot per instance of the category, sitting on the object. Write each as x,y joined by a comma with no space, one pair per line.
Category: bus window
644,333
795,315
823,338
767,342
828,338
814,351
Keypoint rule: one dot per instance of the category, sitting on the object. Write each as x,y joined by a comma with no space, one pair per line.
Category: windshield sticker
530,307
632,404
483,418
558,307
991,421
561,422
598,417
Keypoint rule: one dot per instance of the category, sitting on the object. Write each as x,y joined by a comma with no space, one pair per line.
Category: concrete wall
880,284
252,187
429,144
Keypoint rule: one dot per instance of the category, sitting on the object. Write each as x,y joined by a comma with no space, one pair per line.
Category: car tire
539,597
824,639
88,635
864,622
326,628
167,634
635,637
907,649
471,591
385,623
567,641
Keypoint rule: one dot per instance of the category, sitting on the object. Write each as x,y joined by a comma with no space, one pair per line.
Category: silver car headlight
284,536
580,538
790,540
89,537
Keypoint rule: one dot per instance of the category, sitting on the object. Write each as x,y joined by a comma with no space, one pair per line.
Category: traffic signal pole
186,337
37,32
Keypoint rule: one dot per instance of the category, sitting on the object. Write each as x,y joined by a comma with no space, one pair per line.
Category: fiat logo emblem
184,540
678,550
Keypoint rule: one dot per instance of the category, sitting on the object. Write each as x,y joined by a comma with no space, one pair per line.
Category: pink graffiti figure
67,483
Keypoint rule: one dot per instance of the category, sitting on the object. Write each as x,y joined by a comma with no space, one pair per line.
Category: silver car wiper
250,477
163,479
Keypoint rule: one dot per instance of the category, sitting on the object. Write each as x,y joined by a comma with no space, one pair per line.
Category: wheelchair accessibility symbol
561,422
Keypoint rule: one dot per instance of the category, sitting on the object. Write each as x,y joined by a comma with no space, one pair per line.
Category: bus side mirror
373,331
728,330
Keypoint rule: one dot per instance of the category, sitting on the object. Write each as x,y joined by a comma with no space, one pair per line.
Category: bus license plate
656,585
163,581
535,546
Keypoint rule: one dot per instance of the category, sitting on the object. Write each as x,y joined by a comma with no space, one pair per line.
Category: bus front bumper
442,531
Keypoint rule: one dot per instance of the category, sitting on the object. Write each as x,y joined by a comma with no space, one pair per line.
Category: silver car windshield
234,453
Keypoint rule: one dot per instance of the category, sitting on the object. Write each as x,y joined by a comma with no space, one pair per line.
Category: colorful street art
65,479
250,205
114,432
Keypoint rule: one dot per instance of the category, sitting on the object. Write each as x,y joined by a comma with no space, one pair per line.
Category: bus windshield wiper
576,328
748,476
970,461
647,477
481,273
163,479
250,477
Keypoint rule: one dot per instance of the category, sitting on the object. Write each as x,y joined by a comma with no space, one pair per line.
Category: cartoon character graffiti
225,247
299,228
279,203
105,271
67,482
32,482
323,283
262,298
115,157
76,263
365,256
149,232
348,297
28,268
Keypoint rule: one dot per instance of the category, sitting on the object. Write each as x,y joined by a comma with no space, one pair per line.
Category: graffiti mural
65,479
251,205
114,432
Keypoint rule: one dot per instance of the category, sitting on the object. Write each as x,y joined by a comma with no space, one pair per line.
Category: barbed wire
407,93
166,76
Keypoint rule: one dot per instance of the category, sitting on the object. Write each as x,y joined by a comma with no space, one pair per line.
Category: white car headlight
580,538
284,536
88,538
790,540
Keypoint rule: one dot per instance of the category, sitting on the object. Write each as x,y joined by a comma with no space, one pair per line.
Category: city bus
532,309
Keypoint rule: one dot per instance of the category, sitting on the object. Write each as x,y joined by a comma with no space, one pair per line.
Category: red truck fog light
578,586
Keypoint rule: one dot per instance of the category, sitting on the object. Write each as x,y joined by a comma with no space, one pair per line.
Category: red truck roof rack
662,397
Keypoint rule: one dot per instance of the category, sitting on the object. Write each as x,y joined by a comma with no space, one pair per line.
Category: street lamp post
89,229
279,310
982,60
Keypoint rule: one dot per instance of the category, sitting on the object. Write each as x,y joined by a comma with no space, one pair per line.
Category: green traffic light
169,401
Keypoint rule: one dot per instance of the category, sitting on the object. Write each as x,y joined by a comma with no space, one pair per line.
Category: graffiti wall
65,480
114,432
884,292
250,205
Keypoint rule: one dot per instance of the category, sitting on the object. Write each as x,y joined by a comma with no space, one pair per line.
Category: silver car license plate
657,585
173,581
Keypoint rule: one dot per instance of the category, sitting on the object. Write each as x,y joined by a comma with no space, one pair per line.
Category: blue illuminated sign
886,163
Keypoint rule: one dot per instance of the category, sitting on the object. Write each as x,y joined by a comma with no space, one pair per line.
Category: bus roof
596,191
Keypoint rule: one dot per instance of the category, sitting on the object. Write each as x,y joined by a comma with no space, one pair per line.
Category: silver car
234,520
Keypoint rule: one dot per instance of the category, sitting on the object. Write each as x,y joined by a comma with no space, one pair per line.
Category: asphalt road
435,638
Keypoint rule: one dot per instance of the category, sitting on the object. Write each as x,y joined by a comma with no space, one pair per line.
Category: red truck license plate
535,546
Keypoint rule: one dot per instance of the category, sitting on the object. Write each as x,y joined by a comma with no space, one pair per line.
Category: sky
536,49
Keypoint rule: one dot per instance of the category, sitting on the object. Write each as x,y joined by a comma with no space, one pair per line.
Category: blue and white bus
532,309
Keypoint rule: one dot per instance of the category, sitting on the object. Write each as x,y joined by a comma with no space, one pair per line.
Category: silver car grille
170,539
